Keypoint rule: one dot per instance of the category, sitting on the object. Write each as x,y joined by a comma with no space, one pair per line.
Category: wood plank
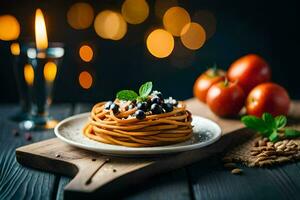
64,180
16,181
172,185
210,180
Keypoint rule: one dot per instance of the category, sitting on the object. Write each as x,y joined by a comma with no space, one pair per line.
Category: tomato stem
213,72
226,82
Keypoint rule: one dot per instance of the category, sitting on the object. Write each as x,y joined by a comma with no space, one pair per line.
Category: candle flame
40,30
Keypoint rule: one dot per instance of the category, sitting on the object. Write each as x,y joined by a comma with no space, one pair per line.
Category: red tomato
205,81
225,99
268,97
249,71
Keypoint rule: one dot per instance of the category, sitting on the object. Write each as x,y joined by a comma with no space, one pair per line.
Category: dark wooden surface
206,179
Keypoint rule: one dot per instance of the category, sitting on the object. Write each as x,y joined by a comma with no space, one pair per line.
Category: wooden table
206,179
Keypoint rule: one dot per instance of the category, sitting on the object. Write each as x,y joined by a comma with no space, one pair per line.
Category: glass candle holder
40,77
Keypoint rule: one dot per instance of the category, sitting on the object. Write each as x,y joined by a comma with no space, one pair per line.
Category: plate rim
140,150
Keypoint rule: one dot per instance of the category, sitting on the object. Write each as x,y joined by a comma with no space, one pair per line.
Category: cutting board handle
87,168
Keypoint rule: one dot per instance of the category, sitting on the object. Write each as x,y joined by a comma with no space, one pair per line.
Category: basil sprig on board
130,95
270,127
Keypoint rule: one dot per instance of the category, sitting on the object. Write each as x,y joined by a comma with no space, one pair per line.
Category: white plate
70,131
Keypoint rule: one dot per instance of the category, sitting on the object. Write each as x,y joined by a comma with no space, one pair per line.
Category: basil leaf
127,95
145,89
274,136
255,123
270,121
291,133
280,121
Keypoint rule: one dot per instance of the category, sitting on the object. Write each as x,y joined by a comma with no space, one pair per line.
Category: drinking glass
40,74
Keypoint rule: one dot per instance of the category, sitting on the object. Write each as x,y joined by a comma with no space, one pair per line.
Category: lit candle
40,30
40,74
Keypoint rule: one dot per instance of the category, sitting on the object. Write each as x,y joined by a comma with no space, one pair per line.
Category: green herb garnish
130,95
145,89
270,127
127,95
291,133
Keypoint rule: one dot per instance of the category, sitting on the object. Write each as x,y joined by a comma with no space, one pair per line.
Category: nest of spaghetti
124,127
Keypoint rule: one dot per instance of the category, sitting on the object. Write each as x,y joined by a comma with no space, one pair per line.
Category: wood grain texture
210,180
207,179
99,177
16,181
64,180
171,185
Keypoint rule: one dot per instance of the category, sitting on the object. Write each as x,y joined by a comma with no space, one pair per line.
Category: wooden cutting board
97,175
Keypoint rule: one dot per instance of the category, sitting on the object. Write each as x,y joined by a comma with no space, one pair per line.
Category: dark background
268,28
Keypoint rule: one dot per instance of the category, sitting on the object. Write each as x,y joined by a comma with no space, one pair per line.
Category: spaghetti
123,128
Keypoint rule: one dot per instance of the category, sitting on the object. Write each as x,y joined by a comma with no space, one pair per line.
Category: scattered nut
270,144
236,171
277,144
254,153
287,149
265,163
260,159
283,159
269,153
281,147
262,143
290,143
114,170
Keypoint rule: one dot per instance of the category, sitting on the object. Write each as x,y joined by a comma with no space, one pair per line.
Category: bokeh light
85,80
9,28
160,43
110,25
86,53
29,74
80,16
15,49
161,6
135,11
175,19
50,70
193,36
207,20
